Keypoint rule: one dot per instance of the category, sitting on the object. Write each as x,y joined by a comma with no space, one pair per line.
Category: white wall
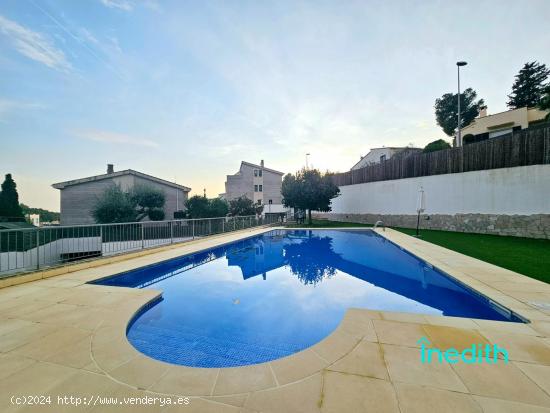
508,191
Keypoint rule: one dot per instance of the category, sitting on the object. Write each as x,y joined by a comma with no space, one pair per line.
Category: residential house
33,219
498,124
377,155
79,196
258,183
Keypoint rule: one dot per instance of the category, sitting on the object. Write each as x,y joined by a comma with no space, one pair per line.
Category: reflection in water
310,257
308,270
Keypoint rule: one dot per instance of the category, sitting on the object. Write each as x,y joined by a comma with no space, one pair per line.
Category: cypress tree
9,199
528,88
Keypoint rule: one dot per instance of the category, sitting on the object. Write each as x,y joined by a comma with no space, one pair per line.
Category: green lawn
524,255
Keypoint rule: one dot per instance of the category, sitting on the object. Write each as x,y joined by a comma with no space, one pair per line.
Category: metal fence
29,249
526,147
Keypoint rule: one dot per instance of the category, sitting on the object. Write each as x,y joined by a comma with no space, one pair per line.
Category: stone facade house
79,196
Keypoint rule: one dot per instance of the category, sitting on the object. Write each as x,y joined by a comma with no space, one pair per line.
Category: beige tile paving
48,345
404,317
490,405
186,382
244,379
502,381
521,347
537,373
394,332
37,378
236,400
141,372
295,367
443,337
25,336
343,393
457,322
422,399
61,335
366,359
12,363
336,346
302,397
404,365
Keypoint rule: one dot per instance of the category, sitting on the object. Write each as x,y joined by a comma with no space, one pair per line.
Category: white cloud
87,35
113,137
152,5
8,106
129,5
34,45
118,4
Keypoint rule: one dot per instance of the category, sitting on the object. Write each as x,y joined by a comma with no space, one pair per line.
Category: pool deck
61,336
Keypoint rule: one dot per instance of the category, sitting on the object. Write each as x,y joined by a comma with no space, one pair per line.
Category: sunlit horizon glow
185,91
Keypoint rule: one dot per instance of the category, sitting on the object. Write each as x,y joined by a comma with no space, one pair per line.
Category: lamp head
461,63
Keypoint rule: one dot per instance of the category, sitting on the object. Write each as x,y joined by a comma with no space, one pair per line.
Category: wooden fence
526,147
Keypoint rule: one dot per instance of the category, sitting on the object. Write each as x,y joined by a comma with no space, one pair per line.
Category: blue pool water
272,295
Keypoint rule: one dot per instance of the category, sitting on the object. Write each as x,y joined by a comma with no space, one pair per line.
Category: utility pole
459,133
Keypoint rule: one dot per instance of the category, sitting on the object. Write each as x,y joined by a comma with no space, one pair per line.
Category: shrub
436,146
156,214
179,214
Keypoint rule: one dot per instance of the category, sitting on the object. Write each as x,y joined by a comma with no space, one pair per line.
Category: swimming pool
272,295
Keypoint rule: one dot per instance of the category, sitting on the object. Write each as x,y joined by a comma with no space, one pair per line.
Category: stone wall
530,226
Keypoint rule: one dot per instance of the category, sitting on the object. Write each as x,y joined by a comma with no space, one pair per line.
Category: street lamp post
459,133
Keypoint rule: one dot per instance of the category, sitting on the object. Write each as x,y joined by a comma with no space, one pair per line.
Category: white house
377,155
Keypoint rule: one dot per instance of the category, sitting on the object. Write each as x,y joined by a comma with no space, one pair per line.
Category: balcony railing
29,249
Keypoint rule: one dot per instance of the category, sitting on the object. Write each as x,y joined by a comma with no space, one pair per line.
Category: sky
185,90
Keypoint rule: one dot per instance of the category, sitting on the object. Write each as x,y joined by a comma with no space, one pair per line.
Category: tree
446,110
114,206
544,103
197,207
436,146
528,88
149,202
9,199
309,190
201,207
45,215
243,206
218,207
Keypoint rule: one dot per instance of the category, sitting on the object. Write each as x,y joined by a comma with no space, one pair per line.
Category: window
270,201
499,133
255,188
382,158
255,172
261,188
259,202
260,172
